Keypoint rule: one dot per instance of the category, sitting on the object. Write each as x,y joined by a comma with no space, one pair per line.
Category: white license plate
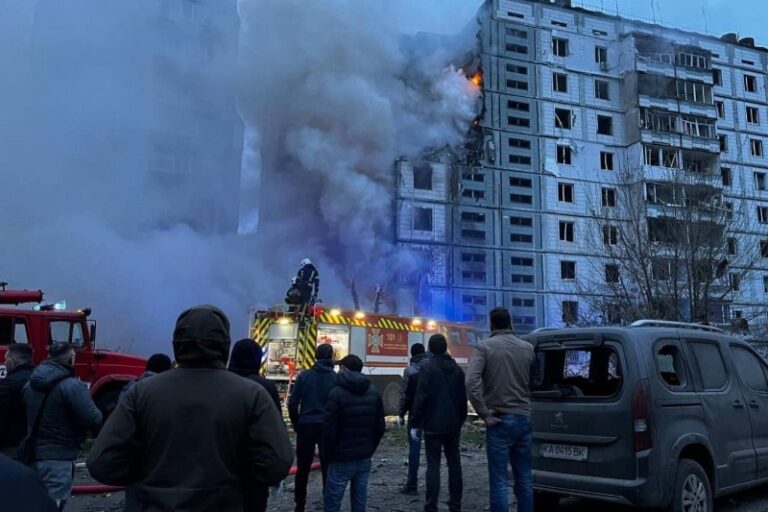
563,451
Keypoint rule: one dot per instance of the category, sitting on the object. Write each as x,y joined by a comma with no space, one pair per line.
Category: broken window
725,175
473,194
717,76
762,214
735,282
750,83
473,174
760,180
611,273
753,115
566,231
517,84
567,270
602,91
696,92
608,197
764,248
765,284
565,192
422,177
661,157
560,46
732,246
720,107
756,147
723,142
604,125
564,155
570,312
671,366
518,121
659,121
577,373
692,60
559,82
606,161
661,269
610,235
515,181
522,106
563,118
601,54
422,219
472,217
698,126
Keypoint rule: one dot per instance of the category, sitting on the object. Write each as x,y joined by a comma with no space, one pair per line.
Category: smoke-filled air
157,154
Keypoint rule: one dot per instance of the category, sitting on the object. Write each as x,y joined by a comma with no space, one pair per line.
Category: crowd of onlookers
203,436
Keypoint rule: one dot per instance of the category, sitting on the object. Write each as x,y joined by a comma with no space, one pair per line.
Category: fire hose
103,489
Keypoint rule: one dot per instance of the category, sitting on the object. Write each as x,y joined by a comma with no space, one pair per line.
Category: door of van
753,374
581,411
721,397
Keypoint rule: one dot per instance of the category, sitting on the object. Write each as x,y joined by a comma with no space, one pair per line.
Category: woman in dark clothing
245,361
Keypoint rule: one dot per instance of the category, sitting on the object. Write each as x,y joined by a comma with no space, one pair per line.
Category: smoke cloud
95,90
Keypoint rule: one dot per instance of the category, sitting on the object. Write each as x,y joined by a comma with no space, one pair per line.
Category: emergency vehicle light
284,321
58,306
416,321
335,312
431,324
359,315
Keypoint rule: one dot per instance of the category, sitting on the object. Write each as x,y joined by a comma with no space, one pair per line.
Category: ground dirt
388,475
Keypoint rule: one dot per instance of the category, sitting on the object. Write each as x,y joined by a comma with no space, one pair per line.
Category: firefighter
308,276
295,296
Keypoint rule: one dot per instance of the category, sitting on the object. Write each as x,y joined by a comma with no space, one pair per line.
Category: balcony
666,57
667,93
671,129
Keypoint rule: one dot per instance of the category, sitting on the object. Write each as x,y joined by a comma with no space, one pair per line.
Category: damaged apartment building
570,97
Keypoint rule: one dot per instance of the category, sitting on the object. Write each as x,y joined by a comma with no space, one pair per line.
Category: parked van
658,414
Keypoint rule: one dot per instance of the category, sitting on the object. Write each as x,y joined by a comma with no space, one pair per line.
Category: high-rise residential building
579,107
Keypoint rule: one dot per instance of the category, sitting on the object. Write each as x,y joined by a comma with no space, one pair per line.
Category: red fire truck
105,372
382,341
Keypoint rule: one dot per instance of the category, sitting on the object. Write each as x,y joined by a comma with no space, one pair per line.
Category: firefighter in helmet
308,280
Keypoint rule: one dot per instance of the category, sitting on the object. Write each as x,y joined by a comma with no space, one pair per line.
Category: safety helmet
306,261
293,280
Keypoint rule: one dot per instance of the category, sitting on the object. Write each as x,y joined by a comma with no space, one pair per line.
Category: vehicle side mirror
92,329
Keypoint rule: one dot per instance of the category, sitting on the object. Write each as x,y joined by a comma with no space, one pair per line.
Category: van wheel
693,492
545,501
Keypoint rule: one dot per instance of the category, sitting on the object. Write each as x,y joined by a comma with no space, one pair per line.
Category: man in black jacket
419,359
440,408
21,489
352,430
191,438
245,361
69,413
13,415
306,408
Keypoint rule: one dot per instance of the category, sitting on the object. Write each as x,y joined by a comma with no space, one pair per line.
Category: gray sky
746,17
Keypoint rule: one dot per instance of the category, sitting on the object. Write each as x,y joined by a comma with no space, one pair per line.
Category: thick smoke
336,94
329,100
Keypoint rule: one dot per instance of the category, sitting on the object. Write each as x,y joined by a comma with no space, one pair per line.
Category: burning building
577,107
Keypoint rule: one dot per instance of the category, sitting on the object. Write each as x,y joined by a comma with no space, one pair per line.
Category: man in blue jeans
498,386
352,429
419,358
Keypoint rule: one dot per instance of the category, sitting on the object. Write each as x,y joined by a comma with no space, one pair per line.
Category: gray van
658,414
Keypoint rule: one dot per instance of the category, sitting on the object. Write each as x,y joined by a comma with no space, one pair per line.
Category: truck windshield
579,372
68,332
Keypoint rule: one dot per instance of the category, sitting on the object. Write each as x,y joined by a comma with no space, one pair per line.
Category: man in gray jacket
419,358
68,414
498,386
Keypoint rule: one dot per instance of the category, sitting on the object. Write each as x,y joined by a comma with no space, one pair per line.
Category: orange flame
477,78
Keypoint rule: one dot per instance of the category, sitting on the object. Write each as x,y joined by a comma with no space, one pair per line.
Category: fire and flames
477,78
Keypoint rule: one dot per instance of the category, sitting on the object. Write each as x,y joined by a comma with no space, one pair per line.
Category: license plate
563,451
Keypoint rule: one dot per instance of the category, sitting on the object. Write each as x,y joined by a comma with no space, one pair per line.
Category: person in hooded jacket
13,415
21,489
419,358
190,439
69,413
306,409
352,430
245,361
157,363
440,409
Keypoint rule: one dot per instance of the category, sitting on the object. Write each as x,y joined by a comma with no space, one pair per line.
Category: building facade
527,216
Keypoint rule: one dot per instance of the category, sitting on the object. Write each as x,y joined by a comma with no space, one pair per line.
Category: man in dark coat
306,408
419,359
68,415
21,489
352,429
157,363
13,415
245,361
308,281
190,439
440,408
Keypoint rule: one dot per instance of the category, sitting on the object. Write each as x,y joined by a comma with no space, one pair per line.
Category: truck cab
105,372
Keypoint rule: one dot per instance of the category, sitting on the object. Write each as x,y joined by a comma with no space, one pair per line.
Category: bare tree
670,245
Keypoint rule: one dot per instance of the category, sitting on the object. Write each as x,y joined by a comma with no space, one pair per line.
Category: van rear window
583,372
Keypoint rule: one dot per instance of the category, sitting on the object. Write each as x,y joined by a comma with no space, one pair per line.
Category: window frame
564,190
563,123
560,46
567,270
601,54
689,343
564,228
750,79
734,347
559,80
684,386
602,85
606,157
610,130
564,154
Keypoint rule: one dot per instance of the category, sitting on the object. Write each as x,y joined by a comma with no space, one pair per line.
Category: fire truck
289,338
103,371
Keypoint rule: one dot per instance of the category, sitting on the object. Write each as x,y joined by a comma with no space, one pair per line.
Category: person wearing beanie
245,361
306,409
157,363
440,409
192,438
419,359
352,430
